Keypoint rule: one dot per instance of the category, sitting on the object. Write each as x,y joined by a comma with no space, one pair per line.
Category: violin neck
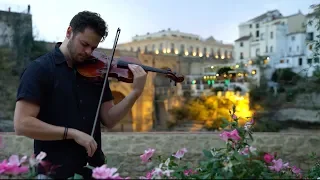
124,64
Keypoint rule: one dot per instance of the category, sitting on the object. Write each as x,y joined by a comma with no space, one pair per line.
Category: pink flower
148,176
105,173
13,166
247,149
234,117
295,170
188,172
234,135
278,165
147,155
180,153
268,158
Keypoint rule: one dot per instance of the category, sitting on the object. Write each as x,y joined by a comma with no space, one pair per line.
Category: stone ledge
124,148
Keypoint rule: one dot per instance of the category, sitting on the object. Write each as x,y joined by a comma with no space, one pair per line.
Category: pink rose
105,173
147,155
180,153
268,158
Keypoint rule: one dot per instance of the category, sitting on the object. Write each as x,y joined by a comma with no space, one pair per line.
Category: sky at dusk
217,18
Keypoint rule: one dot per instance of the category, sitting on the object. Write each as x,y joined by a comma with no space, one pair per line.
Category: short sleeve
33,82
107,96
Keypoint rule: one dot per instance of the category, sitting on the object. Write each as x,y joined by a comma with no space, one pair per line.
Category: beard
72,51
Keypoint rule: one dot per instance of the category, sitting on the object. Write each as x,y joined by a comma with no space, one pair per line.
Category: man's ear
69,32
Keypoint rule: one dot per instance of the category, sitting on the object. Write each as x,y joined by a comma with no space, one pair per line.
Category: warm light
168,50
208,55
222,57
200,54
186,53
164,50
194,53
217,74
217,56
224,75
212,67
250,62
237,66
176,51
157,51
253,72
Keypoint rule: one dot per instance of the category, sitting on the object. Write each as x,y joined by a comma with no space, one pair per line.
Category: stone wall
125,148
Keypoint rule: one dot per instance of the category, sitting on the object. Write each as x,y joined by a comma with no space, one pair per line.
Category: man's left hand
139,78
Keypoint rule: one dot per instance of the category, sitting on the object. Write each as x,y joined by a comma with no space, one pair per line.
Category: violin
96,67
100,67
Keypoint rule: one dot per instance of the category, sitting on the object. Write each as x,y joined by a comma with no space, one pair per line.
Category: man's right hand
84,140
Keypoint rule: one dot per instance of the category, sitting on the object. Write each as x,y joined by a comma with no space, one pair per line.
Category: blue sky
217,18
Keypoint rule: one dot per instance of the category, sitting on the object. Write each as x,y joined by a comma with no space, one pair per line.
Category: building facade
179,43
281,40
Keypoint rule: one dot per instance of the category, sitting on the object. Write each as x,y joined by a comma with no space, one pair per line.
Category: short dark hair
86,19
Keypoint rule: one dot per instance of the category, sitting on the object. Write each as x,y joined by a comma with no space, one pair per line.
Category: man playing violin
56,107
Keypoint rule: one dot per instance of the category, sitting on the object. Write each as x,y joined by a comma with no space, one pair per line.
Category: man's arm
34,82
111,114
26,123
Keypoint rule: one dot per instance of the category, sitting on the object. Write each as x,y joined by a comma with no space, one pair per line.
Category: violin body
95,68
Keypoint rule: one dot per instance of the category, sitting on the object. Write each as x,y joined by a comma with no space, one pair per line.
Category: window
172,48
310,47
309,61
241,55
310,36
261,36
316,60
266,49
290,49
197,51
204,51
271,35
257,52
298,48
257,33
293,38
300,61
257,25
191,50
241,44
271,49
212,52
182,48
145,49
250,25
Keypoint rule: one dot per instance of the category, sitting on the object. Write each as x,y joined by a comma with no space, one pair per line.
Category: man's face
82,44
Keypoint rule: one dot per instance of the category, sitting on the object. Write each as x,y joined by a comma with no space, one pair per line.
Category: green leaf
90,167
207,153
259,162
77,176
206,176
238,156
250,135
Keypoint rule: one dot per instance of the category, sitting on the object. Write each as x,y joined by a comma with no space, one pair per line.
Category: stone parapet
124,149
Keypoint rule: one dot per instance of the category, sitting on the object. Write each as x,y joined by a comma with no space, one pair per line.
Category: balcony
283,66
